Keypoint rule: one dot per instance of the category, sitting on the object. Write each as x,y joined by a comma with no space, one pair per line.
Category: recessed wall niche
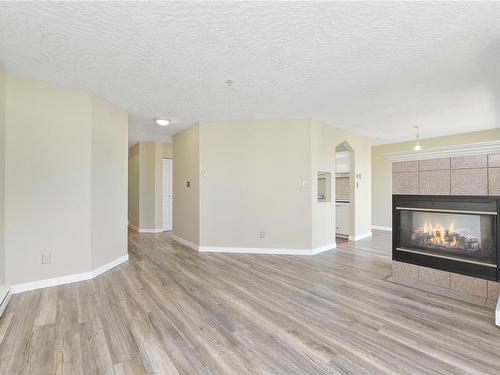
324,187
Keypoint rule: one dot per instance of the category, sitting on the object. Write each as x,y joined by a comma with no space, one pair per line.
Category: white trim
360,237
46,283
252,250
480,148
264,250
324,248
5,294
145,230
184,242
108,266
497,313
378,227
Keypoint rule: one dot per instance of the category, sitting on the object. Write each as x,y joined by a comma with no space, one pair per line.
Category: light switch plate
46,258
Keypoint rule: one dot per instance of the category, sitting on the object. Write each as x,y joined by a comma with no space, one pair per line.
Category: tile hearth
465,288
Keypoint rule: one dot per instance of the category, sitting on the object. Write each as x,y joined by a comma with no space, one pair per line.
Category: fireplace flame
439,234
433,234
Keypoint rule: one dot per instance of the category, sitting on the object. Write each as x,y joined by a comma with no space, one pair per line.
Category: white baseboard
106,267
378,227
323,248
5,294
360,237
46,283
252,250
145,230
184,242
263,250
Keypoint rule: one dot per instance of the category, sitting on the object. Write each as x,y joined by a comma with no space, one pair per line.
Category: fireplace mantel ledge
470,149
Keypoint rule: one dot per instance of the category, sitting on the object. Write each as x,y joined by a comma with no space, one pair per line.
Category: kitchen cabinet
342,218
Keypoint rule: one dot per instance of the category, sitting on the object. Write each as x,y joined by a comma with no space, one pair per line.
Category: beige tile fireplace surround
464,175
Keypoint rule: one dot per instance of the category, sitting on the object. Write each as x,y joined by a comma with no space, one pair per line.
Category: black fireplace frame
445,264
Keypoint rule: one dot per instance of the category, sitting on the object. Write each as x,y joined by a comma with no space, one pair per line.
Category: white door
167,194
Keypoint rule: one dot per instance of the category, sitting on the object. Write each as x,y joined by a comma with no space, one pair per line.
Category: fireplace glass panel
466,236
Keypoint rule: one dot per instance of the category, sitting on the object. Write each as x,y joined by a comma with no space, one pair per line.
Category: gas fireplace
451,233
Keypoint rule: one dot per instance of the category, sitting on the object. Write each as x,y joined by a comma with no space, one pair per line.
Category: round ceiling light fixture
162,122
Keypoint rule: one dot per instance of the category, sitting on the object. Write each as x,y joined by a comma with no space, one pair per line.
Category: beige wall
2,174
382,171
167,150
56,173
324,140
109,182
146,184
147,157
254,180
133,185
47,191
186,167
322,159
261,176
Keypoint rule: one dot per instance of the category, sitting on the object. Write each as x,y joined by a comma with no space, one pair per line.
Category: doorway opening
167,195
345,186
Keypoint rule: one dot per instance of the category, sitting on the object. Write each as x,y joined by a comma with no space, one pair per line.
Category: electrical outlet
262,234
46,258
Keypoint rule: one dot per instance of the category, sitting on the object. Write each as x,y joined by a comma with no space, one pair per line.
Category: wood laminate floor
172,310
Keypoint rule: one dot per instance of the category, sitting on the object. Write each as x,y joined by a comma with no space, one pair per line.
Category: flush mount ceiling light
417,146
162,122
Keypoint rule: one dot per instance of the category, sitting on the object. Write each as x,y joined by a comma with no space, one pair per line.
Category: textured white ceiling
375,68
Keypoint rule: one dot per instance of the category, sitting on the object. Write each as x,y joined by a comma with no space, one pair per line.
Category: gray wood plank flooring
171,310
